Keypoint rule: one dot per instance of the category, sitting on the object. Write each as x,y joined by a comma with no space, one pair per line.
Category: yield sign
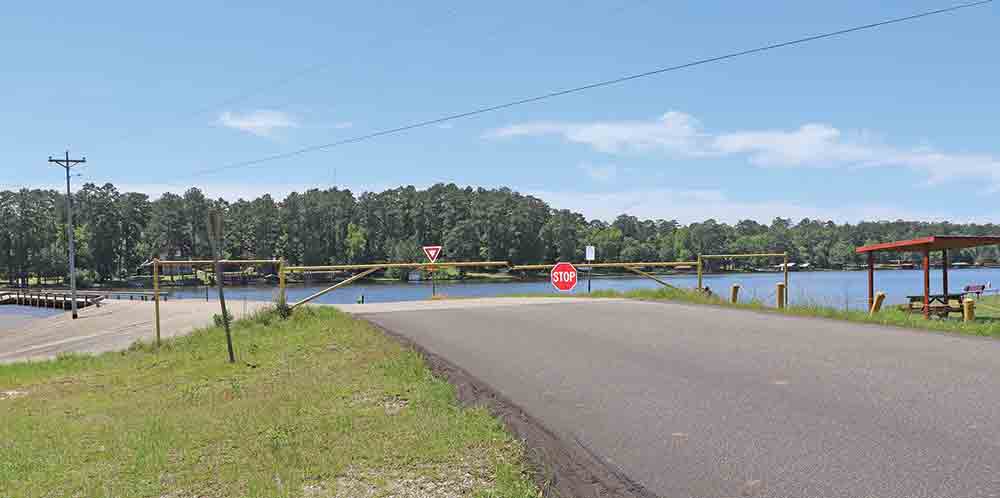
432,252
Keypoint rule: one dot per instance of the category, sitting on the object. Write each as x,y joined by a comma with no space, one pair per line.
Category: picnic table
940,304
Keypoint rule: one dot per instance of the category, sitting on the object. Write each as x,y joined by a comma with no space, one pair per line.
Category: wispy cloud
605,173
810,145
262,123
698,205
343,125
675,132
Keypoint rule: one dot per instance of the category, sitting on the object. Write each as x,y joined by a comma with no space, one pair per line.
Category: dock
63,298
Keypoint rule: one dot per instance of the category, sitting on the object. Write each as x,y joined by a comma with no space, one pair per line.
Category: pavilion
925,245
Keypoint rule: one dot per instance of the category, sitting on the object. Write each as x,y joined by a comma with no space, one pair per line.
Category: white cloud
698,205
261,123
674,132
606,173
810,145
343,125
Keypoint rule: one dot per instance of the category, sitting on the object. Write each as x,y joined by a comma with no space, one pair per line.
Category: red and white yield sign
563,276
432,252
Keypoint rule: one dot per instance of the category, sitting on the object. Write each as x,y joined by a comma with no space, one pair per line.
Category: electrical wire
582,88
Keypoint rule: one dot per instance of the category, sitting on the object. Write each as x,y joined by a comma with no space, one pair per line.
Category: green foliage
218,318
117,231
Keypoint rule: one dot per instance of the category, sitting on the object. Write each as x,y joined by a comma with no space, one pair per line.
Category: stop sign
563,276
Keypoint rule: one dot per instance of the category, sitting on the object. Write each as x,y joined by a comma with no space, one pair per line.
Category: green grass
987,321
318,405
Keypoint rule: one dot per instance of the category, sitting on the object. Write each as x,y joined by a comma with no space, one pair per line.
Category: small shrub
217,318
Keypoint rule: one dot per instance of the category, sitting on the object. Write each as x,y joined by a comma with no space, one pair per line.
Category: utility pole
68,164
215,235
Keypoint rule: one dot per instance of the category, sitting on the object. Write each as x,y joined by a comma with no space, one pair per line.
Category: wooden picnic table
939,303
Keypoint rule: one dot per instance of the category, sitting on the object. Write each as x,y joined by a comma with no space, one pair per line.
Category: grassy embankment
318,405
987,314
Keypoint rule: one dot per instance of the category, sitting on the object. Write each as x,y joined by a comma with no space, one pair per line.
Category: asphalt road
703,402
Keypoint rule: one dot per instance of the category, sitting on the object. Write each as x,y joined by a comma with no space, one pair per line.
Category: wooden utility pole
68,164
215,234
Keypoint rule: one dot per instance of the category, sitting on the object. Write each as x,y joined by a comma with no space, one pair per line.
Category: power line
318,67
591,86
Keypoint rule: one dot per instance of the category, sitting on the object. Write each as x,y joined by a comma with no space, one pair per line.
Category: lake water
830,288
13,317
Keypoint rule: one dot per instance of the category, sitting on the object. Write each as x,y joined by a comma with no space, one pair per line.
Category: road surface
112,327
692,401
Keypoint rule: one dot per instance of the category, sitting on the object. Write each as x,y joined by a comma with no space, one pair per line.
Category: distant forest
117,231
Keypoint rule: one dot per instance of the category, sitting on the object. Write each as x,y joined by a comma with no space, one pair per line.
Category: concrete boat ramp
112,327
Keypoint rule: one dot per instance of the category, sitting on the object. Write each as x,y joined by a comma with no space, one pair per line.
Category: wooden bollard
969,310
734,294
780,295
877,303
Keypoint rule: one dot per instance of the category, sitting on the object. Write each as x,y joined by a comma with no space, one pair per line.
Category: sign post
432,253
590,256
563,277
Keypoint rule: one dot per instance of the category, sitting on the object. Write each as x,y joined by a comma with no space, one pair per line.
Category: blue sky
898,122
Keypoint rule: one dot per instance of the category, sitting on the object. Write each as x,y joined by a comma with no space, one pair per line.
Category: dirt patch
561,468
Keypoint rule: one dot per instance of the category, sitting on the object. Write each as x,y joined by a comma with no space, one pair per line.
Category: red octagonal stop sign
563,276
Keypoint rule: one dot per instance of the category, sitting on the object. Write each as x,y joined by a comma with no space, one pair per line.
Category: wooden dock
48,299
62,298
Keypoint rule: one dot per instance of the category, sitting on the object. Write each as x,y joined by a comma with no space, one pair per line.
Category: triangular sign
432,252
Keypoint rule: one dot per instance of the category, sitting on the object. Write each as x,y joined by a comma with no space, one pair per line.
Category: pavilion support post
927,284
944,274
871,279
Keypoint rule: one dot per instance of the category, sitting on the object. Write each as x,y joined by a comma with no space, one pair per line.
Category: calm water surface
12,316
830,288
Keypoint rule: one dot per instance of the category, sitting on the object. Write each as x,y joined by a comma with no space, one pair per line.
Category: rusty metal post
871,279
780,295
734,294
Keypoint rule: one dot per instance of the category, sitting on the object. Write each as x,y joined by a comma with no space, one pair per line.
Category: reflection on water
830,288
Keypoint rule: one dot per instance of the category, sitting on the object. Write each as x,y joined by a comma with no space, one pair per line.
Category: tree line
115,232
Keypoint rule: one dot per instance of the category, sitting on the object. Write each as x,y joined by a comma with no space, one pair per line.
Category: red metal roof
932,243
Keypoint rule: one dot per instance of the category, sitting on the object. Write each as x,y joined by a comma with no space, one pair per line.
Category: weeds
180,421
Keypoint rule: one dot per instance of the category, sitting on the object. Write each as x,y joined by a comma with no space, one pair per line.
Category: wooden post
786,277
944,274
927,284
871,279
877,305
780,295
969,310
699,272
282,297
156,298
734,294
